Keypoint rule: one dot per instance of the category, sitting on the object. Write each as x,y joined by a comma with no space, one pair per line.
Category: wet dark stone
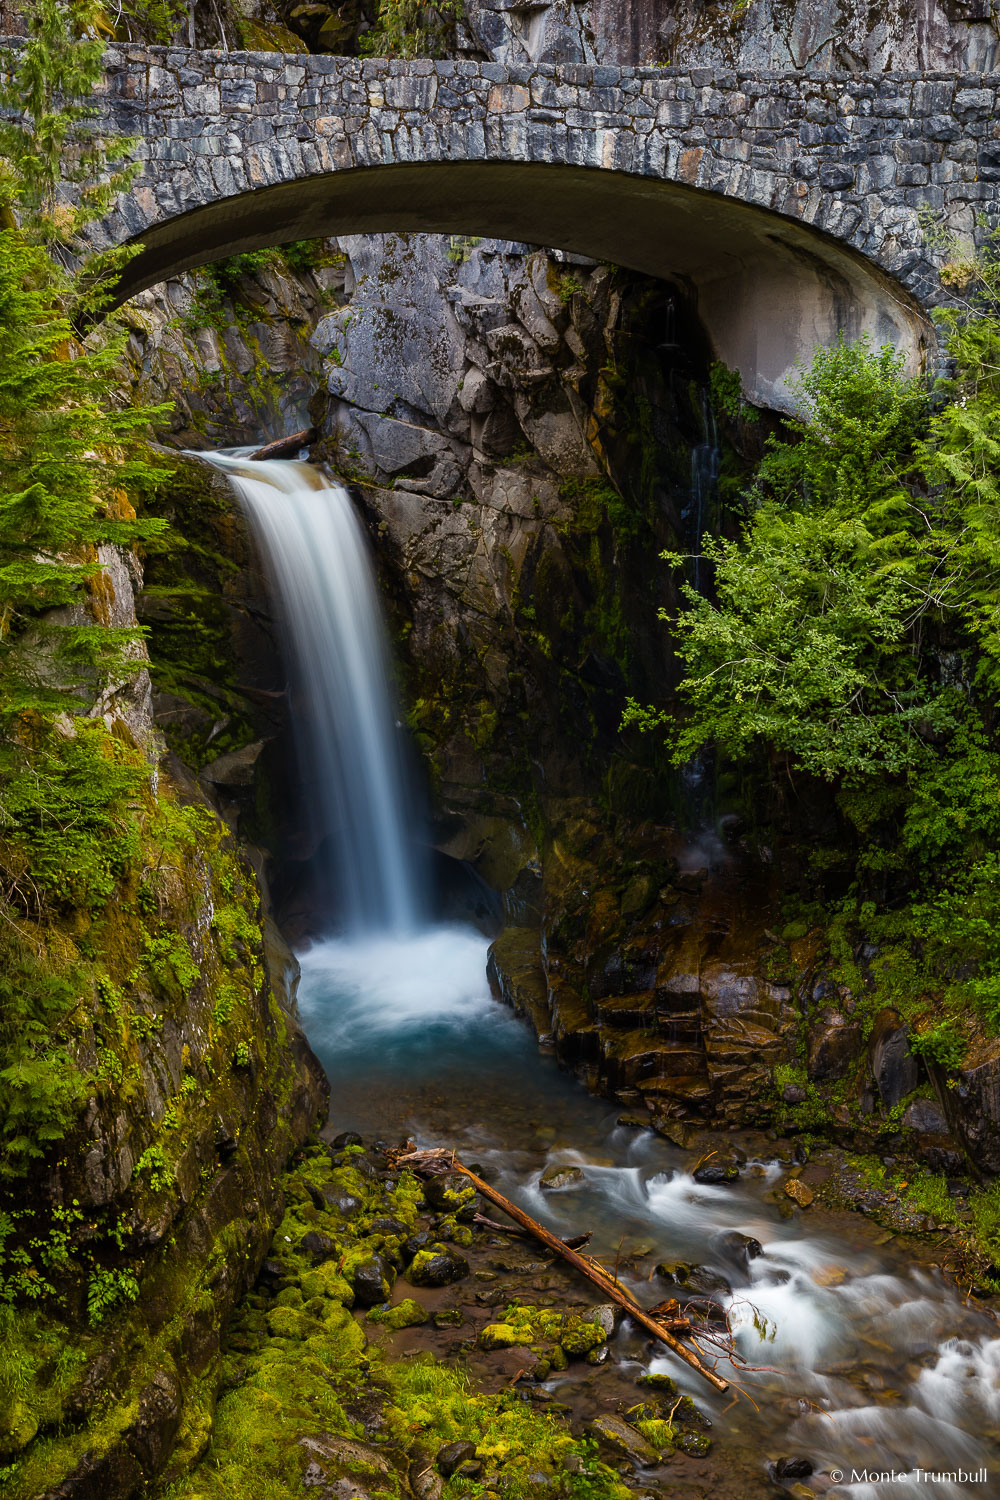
452,1456
926,1117
439,1270
344,1204
373,1280
471,1469
677,1272
793,1468
800,1154
448,1317
694,1444
388,1226
418,1241
320,1246
833,1044
716,1176
346,1138
739,1249
894,1067
272,1272
442,1194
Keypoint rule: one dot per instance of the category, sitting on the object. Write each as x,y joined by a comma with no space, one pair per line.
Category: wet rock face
669,1001
894,1068
770,34
791,34
973,1107
833,1046
236,361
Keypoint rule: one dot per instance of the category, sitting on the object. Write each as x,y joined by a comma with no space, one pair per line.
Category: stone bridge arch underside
789,205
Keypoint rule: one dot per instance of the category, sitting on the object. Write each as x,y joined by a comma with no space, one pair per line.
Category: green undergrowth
173,951
971,1220
302,1385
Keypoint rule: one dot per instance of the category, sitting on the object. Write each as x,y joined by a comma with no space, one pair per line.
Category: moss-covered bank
145,1216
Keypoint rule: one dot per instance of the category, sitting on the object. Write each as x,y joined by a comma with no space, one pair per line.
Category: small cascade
315,553
705,458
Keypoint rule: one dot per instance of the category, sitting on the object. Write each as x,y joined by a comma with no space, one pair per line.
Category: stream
868,1366
872,1363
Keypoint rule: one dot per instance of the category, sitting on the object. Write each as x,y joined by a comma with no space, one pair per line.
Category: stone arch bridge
791,205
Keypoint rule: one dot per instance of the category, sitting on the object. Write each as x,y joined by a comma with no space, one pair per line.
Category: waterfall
314,550
705,458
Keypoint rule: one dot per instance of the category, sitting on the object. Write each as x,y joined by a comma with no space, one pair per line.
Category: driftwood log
432,1163
286,447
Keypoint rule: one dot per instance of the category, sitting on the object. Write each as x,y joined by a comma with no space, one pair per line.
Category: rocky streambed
462,1359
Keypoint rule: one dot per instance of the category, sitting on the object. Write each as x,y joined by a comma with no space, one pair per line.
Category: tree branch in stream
433,1162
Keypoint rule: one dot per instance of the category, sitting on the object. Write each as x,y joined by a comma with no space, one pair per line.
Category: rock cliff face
820,35
231,347
139,1232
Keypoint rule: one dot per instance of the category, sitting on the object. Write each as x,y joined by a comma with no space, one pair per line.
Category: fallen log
286,447
432,1163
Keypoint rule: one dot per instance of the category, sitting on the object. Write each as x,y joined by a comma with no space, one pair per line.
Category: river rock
452,1456
438,1265
345,1139
799,1191
499,1336
451,1193
372,1280
739,1249
792,1468
317,1244
406,1314
607,1315
560,1177
621,1437
716,1174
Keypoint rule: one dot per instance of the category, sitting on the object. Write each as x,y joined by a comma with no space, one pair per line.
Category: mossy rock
406,1314
438,1265
326,1281
579,1338
451,1230
657,1432
287,1323
500,1336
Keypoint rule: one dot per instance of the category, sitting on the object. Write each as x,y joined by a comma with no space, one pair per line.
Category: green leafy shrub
412,28
108,1289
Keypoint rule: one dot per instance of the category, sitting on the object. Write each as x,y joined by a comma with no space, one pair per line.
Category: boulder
372,1280
560,1177
622,1438
438,1265
453,1456
894,1068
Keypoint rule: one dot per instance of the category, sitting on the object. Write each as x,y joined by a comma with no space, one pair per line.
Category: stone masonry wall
857,157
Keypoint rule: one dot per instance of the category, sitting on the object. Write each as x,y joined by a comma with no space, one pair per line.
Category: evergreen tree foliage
70,449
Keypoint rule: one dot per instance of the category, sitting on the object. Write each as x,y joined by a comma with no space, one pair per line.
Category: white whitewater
315,553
